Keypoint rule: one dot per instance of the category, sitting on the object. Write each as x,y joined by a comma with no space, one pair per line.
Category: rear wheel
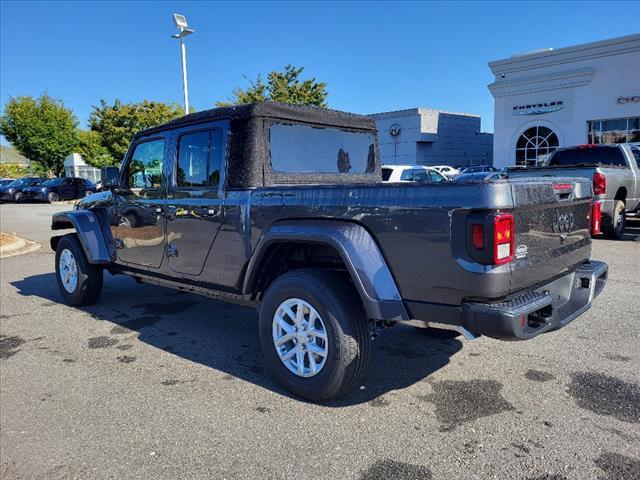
79,282
52,197
618,222
314,333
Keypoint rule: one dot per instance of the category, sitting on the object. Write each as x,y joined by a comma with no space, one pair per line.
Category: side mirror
110,177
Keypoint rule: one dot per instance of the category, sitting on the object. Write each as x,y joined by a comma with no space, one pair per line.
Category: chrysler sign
538,108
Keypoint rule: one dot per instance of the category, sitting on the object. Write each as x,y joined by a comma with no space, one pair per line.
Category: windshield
386,174
24,182
53,182
601,155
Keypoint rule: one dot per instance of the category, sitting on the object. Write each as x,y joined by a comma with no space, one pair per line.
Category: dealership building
432,137
552,98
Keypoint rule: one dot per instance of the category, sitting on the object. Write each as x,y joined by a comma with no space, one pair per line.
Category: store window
614,130
535,145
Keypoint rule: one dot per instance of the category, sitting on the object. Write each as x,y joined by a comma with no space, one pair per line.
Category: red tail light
478,236
599,184
503,238
596,218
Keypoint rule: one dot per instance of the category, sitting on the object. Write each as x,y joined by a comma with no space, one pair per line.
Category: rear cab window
199,160
299,152
593,155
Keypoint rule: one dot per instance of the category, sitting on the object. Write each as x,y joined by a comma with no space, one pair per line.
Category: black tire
615,231
348,342
17,197
52,197
89,277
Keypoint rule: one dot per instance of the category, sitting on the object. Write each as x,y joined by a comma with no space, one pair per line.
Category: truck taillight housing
503,238
596,218
599,184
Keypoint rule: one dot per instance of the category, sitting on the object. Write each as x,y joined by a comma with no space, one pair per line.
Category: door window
199,160
145,167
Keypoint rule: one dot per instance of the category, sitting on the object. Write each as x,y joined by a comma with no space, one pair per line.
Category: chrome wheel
68,271
300,337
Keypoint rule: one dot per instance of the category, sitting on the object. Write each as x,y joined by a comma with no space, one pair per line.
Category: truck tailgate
552,228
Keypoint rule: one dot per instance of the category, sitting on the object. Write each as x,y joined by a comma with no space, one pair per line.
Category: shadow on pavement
224,336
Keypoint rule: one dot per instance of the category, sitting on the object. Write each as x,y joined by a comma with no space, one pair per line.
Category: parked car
447,171
61,188
6,181
614,170
13,192
481,176
281,208
411,173
478,169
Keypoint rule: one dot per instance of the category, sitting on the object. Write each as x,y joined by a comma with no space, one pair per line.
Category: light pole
181,23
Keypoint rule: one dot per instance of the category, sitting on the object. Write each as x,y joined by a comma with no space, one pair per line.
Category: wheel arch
89,231
621,194
354,246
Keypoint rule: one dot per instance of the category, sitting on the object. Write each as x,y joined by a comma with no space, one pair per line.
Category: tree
283,87
92,151
116,124
41,129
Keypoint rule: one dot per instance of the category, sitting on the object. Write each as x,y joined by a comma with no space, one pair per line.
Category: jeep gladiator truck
614,170
283,208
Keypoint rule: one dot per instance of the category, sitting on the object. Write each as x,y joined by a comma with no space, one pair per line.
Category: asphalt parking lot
152,383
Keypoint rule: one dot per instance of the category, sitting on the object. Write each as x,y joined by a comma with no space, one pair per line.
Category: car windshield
24,182
600,155
53,182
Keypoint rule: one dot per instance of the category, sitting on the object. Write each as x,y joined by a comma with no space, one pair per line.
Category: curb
18,247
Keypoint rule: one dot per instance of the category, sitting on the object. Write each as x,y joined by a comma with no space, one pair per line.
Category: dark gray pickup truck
282,208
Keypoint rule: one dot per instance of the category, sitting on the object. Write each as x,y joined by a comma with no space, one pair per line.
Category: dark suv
283,208
62,188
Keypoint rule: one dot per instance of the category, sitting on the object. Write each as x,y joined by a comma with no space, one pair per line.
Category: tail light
599,184
503,238
596,218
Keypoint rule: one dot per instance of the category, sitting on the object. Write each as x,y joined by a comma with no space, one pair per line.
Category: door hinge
171,250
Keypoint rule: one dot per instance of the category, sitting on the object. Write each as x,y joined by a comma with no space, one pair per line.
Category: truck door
195,197
140,205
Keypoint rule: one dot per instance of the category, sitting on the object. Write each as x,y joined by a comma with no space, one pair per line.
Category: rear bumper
548,308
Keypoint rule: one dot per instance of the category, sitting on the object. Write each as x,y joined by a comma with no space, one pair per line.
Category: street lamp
181,24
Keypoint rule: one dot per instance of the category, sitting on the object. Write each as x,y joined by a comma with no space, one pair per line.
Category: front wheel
52,197
17,197
618,222
314,334
79,282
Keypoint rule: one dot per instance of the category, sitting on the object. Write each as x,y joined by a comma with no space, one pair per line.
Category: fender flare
90,233
359,251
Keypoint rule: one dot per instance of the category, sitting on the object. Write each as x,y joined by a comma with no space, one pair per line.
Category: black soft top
297,113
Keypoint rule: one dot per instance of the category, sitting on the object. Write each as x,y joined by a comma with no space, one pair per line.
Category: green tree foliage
41,129
116,124
13,170
284,87
92,151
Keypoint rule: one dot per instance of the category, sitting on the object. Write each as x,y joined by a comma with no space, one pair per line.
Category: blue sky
374,56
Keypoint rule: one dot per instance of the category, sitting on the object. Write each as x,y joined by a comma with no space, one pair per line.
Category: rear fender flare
90,233
360,253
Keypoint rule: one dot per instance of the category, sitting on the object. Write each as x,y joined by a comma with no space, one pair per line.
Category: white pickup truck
614,170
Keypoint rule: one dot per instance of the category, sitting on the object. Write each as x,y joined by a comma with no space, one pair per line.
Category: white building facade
75,166
587,93
432,137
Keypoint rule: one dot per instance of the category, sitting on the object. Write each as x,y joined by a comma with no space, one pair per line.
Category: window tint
386,174
307,149
636,155
592,155
199,159
407,175
145,168
420,175
436,177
